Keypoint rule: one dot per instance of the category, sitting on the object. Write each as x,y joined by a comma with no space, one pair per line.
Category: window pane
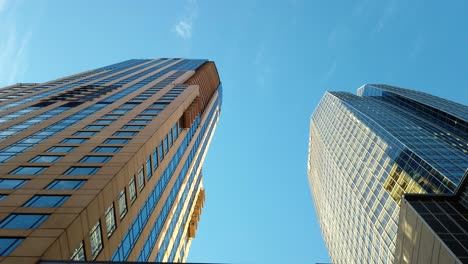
95,127
74,140
78,253
23,221
103,121
160,151
116,141
82,171
149,171
122,204
65,184
7,245
61,149
28,170
11,183
166,145
106,149
125,133
95,239
110,220
155,158
132,190
46,158
85,133
139,121
133,127
95,159
46,201
141,178
152,111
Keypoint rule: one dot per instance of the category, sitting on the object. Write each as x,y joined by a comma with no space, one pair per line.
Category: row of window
109,216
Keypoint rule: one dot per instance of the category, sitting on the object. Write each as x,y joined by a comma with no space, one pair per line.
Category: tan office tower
106,164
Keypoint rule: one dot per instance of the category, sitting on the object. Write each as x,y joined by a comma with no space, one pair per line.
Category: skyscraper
106,164
366,150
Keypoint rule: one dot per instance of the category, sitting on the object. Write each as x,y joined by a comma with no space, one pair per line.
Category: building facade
106,164
433,228
367,150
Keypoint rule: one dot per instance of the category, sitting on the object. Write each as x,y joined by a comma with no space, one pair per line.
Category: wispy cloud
13,48
388,12
184,27
417,46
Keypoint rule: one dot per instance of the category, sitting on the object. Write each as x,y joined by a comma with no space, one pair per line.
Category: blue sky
275,59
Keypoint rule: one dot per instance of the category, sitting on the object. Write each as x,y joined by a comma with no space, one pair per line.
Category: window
61,149
133,127
170,138
155,158
116,141
132,190
23,221
158,105
65,184
160,151
3,196
85,133
94,127
139,121
78,253
120,111
152,111
166,145
95,238
82,170
110,220
42,158
103,121
28,170
106,149
8,244
122,204
141,178
95,159
74,140
149,171
125,133
46,201
112,116
11,183
129,105
146,116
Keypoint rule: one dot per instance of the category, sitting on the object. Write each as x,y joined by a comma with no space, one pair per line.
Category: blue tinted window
74,140
148,168
103,121
112,116
84,133
139,121
8,244
120,111
146,116
160,151
65,184
133,127
95,127
95,159
61,149
43,158
166,145
155,158
116,141
152,111
23,221
11,183
82,171
28,170
46,201
125,133
3,196
106,149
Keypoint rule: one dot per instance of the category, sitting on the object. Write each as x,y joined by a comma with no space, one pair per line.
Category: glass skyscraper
366,150
106,165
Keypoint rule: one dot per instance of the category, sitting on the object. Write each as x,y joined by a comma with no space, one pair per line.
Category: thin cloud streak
184,27
13,49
